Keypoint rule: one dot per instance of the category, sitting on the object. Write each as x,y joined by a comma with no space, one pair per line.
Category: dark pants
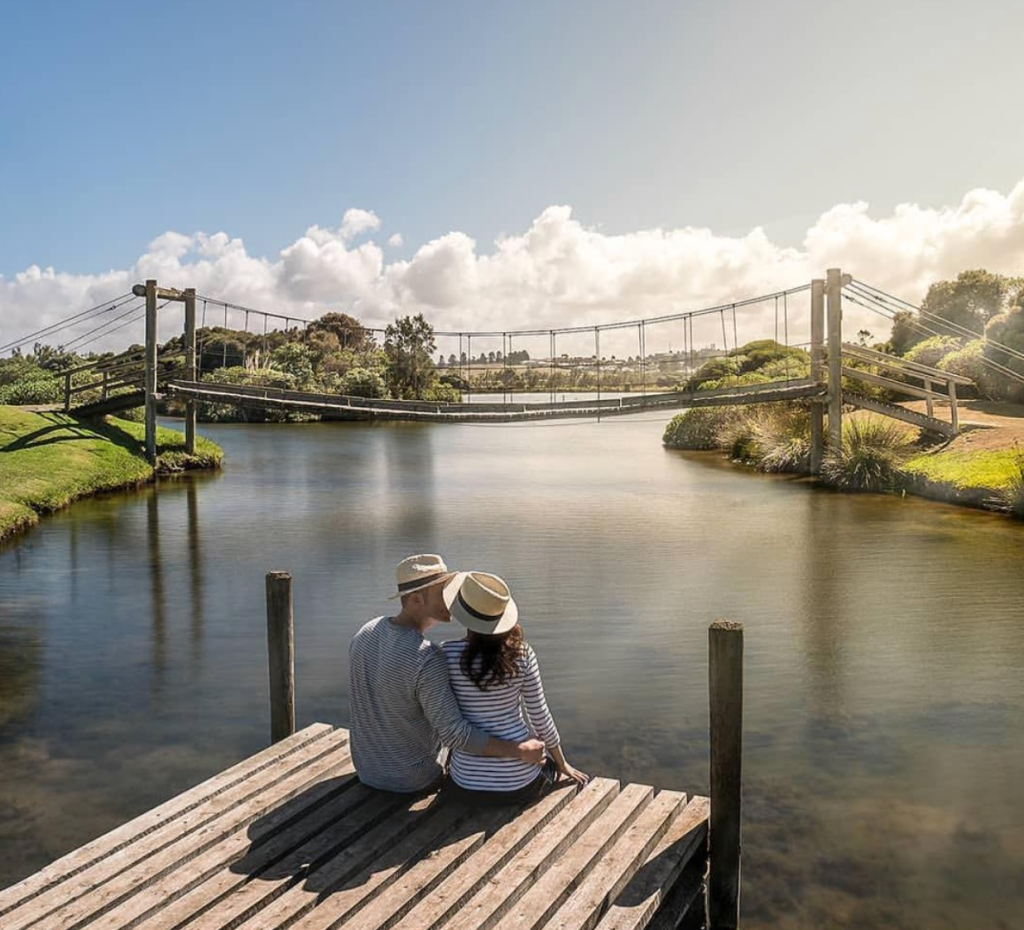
541,785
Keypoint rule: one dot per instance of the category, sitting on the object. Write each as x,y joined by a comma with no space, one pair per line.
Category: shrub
869,455
761,352
37,388
931,351
443,394
713,370
698,429
792,367
968,363
781,434
1008,329
362,382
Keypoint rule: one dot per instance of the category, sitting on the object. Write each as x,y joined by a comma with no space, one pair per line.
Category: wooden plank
899,413
143,825
240,881
683,906
590,900
897,386
392,851
521,846
122,873
636,904
491,838
894,362
537,863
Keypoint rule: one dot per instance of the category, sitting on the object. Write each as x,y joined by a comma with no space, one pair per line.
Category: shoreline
51,459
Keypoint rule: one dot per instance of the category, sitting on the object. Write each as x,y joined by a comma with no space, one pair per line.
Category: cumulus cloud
396,241
558,272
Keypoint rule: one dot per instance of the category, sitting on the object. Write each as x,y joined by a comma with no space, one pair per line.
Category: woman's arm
541,721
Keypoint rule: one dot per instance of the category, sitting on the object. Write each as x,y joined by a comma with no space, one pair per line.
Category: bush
755,355
967,362
781,437
443,394
37,388
713,370
1012,495
362,382
698,429
931,351
869,456
1008,329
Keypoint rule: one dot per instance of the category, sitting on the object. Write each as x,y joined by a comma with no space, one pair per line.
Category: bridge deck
290,838
364,408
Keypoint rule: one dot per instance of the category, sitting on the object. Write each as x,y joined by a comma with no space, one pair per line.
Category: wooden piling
817,366
281,653
833,291
725,692
150,378
190,368
954,417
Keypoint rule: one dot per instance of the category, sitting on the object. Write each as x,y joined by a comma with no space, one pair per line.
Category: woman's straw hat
484,604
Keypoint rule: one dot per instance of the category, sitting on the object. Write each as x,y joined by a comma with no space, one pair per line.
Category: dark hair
490,661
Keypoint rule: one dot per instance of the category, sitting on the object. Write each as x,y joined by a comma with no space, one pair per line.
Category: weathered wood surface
921,420
290,838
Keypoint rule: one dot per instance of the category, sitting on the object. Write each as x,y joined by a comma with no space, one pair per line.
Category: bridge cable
81,316
735,338
78,340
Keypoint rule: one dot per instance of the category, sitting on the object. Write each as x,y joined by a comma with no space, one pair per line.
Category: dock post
281,653
190,368
817,365
833,289
150,379
725,692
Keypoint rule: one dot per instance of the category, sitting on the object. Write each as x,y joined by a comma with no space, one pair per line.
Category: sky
502,165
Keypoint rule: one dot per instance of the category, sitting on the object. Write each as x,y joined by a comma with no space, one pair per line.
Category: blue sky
120,120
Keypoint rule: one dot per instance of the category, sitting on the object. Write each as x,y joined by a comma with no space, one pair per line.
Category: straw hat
483,604
422,571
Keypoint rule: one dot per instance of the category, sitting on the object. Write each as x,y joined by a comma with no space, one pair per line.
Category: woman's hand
581,778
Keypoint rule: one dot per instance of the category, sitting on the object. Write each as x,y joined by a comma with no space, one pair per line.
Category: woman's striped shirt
509,711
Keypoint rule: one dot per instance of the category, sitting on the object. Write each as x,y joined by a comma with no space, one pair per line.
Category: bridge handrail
900,364
900,387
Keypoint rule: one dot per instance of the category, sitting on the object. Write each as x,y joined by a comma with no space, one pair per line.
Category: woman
495,677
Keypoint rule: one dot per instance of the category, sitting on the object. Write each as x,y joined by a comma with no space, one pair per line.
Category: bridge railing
116,374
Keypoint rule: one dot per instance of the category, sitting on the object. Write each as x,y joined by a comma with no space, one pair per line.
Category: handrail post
834,291
67,392
281,655
725,692
190,368
150,378
817,360
954,416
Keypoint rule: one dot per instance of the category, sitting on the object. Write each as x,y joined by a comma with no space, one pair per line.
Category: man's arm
434,692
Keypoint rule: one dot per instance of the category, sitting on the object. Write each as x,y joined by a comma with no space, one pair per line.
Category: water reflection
156,588
195,567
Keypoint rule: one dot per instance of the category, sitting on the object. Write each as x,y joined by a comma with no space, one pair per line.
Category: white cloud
356,222
396,241
557,272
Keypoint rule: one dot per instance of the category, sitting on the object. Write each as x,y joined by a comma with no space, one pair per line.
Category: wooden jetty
290,838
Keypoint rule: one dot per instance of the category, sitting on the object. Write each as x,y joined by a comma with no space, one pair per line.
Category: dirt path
984,424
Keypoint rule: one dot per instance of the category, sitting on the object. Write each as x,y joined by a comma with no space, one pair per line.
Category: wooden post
929,406
281,652
103,388
67,392
190,368
725,692
150,379
817,365
954,416
833,290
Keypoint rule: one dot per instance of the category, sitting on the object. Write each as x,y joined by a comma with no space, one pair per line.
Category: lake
884,719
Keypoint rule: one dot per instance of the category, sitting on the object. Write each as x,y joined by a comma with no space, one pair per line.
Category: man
402,705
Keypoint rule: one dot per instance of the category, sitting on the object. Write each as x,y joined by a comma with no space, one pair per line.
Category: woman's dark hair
490,661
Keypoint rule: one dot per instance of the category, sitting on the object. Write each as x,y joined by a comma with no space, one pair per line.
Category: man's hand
532,751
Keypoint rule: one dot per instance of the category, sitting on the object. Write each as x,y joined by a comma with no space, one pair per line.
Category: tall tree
350,332
972,299
409,347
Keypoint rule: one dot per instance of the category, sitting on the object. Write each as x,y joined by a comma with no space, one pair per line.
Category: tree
864,336
409,347
350,332
971,300
490,357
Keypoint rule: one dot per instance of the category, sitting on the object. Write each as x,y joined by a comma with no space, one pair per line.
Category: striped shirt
402,708
500,711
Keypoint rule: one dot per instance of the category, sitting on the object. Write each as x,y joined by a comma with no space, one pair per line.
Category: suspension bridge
841,373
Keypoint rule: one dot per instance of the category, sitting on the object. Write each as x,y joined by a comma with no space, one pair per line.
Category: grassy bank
48,460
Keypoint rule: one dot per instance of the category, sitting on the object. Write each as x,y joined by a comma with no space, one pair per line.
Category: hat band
487,618
420,582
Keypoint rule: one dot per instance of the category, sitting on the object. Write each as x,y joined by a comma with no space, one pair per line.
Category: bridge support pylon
817,369
834,296
150,375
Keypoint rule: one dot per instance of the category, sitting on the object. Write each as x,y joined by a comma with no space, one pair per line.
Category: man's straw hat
422,571
483,604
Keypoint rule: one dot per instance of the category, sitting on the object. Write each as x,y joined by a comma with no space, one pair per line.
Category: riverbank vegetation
48,460
972,326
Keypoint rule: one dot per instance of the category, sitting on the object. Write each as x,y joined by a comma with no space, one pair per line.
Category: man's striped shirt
402,708
509,711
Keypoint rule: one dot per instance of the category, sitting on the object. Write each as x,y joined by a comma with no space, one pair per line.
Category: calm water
884,764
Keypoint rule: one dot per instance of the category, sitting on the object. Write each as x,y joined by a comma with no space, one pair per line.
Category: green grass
994,469
48,460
